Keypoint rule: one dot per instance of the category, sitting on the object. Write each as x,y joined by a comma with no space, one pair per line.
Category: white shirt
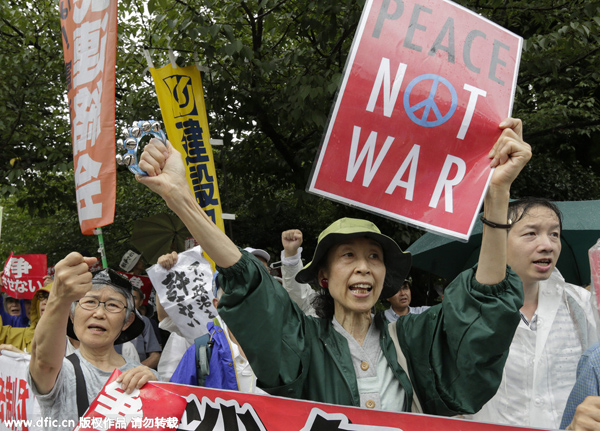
301,293
378,388
174,349
542,362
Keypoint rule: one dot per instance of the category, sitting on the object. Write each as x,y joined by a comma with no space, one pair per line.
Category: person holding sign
445,361
557,324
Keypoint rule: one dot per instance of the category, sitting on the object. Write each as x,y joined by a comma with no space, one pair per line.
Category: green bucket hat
397,262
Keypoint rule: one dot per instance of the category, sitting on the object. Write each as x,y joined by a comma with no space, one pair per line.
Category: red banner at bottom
202,409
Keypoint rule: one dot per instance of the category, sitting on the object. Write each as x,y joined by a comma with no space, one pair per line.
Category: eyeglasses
112,305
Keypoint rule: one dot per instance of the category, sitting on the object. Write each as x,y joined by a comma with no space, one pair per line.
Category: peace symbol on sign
429,104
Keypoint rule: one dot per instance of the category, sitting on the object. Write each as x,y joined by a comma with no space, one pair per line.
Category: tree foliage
275,66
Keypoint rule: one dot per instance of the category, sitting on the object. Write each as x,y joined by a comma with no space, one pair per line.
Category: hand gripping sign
219,410
426,84
151,408
185,292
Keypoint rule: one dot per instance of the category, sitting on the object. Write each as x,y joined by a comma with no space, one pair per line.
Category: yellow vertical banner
181,101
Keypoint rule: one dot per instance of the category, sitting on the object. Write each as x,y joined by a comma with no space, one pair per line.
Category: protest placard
217,410
185,292
24,274
19,410
426,84
150,408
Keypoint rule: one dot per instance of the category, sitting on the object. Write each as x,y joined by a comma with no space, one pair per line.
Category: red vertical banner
89,31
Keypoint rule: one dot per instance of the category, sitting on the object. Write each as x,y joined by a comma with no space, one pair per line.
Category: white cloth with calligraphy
17,401
185,292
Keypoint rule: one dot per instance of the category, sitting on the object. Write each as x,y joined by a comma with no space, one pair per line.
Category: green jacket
455,351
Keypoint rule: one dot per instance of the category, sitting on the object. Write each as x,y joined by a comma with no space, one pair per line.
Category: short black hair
518,208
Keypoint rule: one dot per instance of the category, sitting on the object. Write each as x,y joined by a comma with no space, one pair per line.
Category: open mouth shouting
543,264
97,329
361,289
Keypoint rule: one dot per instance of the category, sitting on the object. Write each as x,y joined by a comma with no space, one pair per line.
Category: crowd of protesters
503,346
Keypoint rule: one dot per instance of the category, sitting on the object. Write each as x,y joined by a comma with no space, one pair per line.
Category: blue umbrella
447,258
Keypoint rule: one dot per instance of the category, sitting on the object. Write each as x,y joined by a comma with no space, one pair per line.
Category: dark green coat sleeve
456,351
260,314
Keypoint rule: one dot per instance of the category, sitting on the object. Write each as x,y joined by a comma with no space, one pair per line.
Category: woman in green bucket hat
446,361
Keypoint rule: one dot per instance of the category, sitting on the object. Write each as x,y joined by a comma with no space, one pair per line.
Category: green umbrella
581,229
157,235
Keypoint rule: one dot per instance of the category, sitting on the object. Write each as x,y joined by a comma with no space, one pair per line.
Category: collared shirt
532,324
377,386
541,367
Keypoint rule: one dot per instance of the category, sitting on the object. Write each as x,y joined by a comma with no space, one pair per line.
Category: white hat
129,260
259,253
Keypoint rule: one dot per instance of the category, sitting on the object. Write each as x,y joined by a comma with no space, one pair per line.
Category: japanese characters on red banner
24,274
89,30
19,410
215,410
171,406
426,84
153,407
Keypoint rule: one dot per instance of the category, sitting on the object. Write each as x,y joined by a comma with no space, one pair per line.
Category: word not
22,286
391,90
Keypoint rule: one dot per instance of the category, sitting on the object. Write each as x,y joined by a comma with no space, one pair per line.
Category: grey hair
128,296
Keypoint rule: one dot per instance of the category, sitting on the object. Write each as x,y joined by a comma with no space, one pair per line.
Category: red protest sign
149,408
24,274
425,86
212,410
89,31
170,405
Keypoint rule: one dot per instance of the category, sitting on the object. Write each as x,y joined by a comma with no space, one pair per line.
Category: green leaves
275,67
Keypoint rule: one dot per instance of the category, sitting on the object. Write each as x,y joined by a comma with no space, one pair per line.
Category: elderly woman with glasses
445,361
98,311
